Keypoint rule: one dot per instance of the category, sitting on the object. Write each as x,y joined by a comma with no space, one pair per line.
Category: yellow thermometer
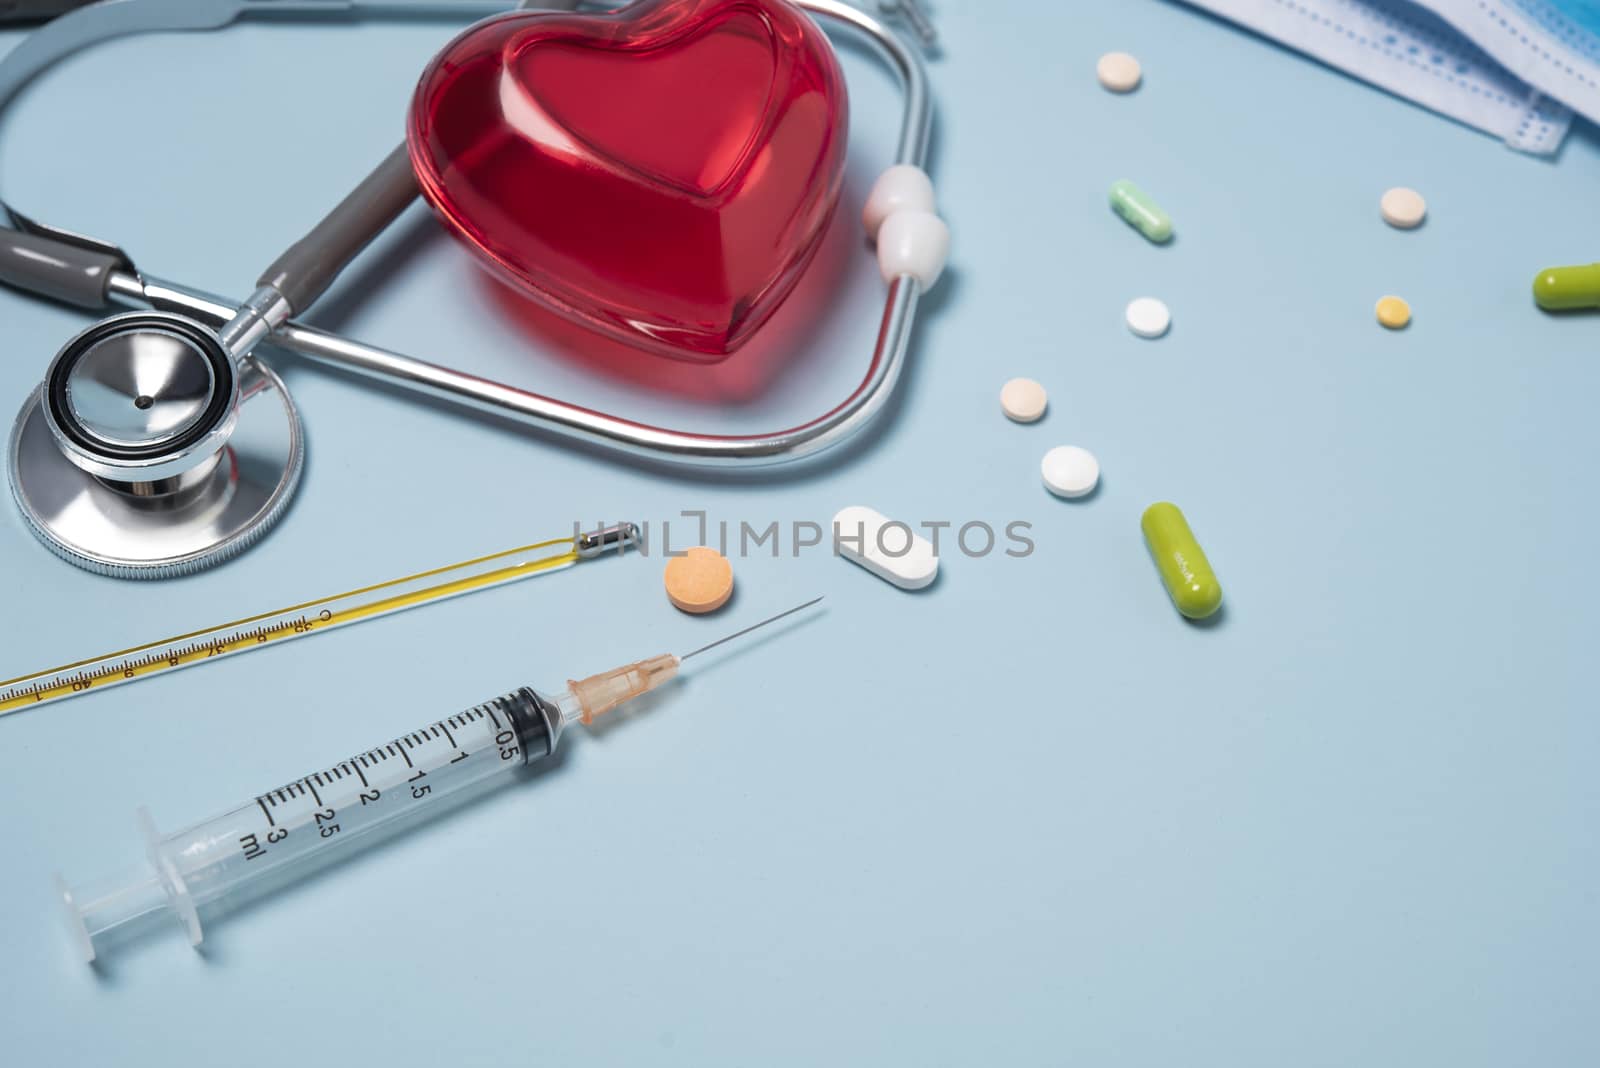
310,617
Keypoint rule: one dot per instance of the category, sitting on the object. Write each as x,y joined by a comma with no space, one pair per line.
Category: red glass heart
661,173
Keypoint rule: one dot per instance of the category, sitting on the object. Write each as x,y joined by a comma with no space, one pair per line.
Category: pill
1070,471
1142,213
1403,208
1184,568
699,581
1023,400
1118,72
1148,317
1393,312
1568,288
889,549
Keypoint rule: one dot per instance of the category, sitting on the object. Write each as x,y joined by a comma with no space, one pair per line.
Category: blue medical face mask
1513,68
1553,45
1584,14
1576,23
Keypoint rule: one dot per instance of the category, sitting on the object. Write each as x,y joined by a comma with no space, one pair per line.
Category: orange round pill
701,580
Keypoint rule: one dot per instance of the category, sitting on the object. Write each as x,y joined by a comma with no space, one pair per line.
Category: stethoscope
158,444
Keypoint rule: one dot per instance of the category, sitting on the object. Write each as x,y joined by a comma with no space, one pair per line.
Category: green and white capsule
1142,213
1184,568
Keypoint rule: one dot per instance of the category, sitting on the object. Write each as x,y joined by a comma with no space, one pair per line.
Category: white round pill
1023,400
1070,471
1403,208
1118,72
1148,317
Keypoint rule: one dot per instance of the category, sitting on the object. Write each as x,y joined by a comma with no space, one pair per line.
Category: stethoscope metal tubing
569,421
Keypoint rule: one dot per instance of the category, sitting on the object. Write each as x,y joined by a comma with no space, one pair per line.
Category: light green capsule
1144,214
1183,565
1566,288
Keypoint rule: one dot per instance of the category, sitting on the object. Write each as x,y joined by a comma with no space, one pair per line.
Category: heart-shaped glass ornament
661,173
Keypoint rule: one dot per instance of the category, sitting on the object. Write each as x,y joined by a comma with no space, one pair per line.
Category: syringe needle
588,699
753,626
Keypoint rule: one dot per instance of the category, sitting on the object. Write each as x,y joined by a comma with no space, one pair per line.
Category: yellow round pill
701,580
1393,312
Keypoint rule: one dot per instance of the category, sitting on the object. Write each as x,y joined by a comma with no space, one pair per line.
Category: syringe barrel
267,841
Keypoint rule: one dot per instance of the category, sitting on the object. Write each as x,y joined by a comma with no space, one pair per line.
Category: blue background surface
1026,816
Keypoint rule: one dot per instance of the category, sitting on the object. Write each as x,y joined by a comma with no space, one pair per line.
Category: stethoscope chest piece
149,451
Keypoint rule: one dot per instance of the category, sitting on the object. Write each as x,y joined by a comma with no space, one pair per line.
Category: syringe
269,840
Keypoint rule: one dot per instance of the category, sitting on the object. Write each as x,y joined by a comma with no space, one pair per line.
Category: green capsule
1183,565
1566,288
1141,212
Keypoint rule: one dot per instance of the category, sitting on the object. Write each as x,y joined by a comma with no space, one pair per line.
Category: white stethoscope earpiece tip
899,216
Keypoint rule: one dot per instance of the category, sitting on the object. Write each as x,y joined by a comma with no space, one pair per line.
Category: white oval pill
889,549
1403,208
1070,471
1148,317
1118,72
1023,400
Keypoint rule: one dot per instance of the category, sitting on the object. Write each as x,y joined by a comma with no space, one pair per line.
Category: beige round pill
701,580
1023,400
1403,208
1118,72
1393,312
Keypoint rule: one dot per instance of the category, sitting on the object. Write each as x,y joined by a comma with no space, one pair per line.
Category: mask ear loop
912,244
